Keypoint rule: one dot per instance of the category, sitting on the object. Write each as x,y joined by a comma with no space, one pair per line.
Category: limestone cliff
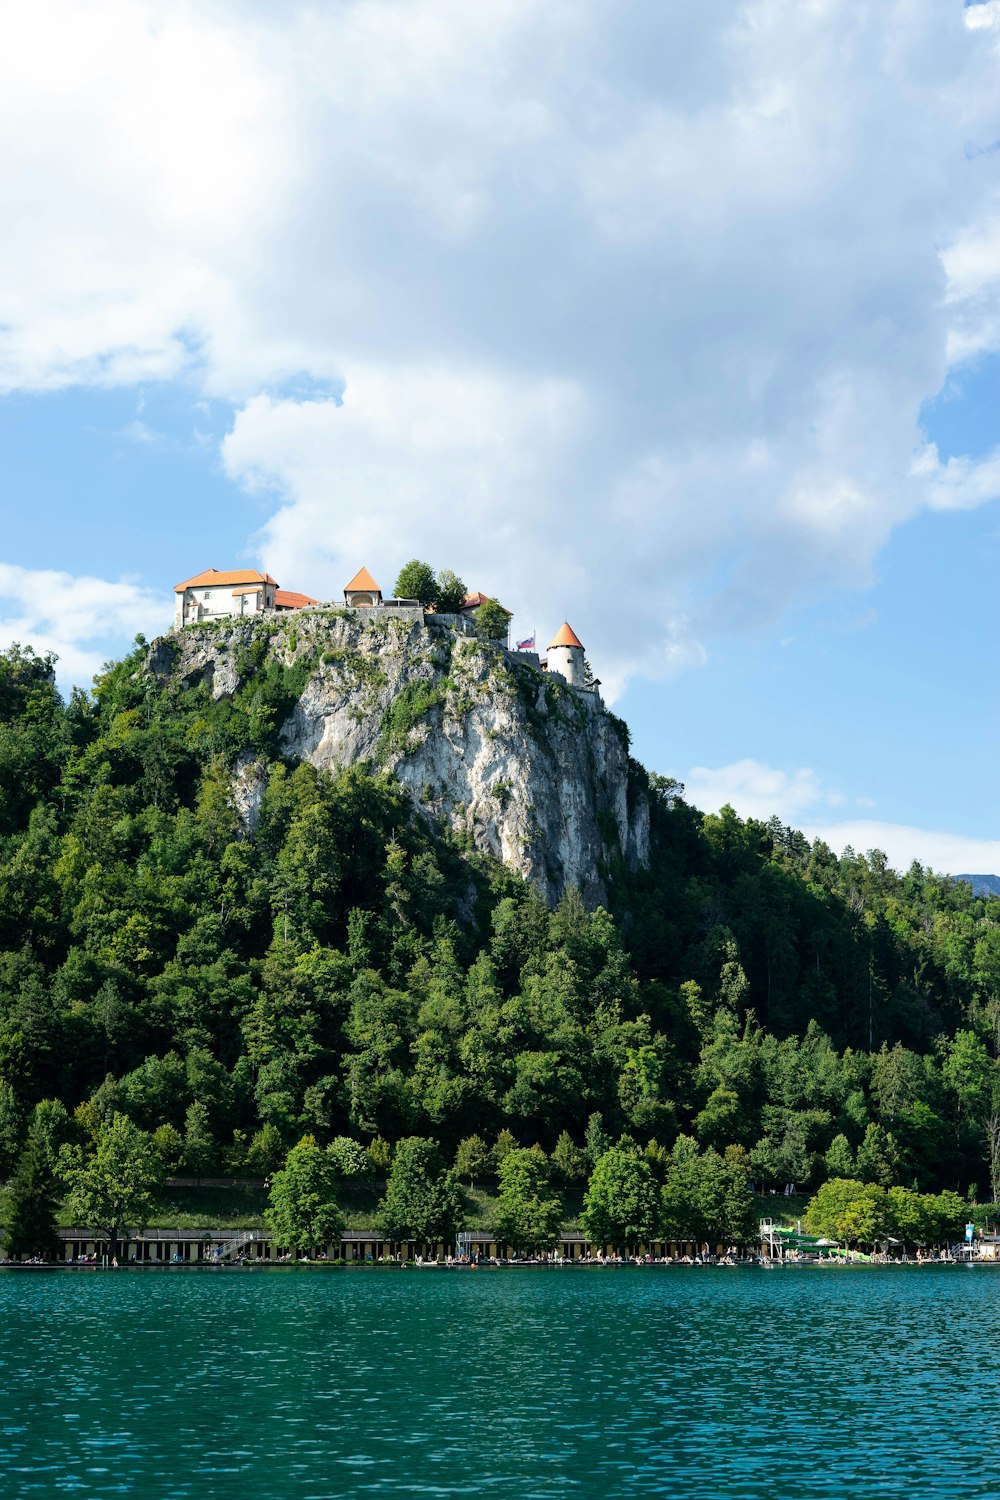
537,773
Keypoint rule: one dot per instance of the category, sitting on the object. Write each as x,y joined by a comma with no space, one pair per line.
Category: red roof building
286,599
215,594
471,603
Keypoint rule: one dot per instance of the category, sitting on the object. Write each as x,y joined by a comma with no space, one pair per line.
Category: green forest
352,973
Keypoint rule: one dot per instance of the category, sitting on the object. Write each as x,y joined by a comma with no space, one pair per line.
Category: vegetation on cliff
348,970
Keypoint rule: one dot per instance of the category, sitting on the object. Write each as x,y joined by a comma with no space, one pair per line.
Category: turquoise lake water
517,1383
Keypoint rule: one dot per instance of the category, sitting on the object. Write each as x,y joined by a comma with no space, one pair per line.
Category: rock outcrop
536,772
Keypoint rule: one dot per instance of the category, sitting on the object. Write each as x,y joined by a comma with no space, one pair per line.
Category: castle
244,592
241,591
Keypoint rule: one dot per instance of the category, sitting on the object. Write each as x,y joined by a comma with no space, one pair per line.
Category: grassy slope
243,1208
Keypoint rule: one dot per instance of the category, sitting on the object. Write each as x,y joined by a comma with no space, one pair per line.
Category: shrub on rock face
492,621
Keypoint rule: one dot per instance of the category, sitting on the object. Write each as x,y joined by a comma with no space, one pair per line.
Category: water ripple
314,1384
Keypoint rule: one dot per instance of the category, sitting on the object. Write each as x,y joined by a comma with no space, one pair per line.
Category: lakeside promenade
777,1247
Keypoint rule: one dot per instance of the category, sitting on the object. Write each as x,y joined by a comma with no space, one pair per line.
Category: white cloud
948,853
799,798
443,463
634,307
756,790
81,619
141,143
982,15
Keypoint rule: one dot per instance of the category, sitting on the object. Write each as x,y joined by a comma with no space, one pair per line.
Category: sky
680,322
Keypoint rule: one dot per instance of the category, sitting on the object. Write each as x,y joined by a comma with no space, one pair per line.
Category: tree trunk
993,1143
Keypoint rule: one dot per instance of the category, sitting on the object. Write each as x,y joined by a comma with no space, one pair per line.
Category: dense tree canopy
348,970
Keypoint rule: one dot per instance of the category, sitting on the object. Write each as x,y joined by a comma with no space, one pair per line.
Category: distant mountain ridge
982,885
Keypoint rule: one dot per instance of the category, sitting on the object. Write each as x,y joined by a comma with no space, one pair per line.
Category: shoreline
754,1264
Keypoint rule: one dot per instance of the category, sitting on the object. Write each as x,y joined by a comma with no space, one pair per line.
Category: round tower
566,656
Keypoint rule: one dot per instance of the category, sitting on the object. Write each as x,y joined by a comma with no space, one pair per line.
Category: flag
528,645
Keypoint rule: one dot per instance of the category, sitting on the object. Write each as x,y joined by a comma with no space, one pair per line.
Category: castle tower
362,592
566,656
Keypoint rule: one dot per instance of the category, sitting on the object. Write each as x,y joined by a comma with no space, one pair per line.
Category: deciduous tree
416,581
348,1157
423,1201
492,621
451,592
302,1213
112,1187
568,1160
620,1206
472,1158
528,1215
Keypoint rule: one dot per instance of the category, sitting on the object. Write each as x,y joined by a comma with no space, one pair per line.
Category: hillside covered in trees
350,969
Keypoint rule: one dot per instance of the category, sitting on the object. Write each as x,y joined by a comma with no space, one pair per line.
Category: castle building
362,592
288,599
472,603
566,657
212,595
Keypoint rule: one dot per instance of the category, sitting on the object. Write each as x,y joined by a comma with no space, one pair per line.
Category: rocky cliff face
538,774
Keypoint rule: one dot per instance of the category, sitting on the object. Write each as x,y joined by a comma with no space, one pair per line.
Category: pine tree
596,1140
199,1143
31,1229
567,1159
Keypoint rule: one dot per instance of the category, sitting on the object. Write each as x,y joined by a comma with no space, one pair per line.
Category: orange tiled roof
212,578
362,581
286,599
565,636
473,601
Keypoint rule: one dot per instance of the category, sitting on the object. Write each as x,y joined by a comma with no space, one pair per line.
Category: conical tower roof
565,636
362,580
